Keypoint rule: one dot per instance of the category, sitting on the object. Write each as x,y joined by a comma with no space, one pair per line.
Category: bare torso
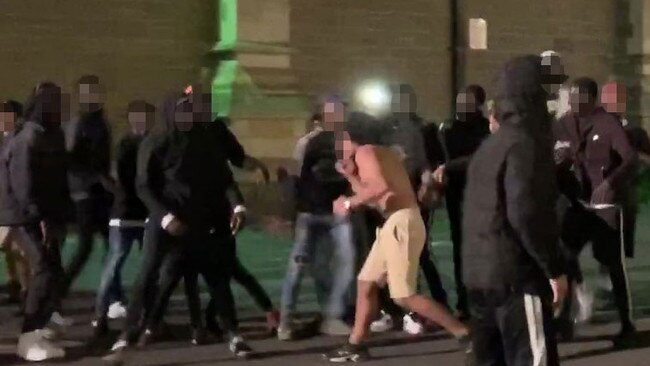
400,193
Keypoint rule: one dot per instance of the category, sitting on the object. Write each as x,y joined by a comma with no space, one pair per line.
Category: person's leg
120,243
171,272
343,270
37,313
193,296
296,268
367,308
144,287
242,276
432,276
85,231
526,325
454,210
609,249
487,343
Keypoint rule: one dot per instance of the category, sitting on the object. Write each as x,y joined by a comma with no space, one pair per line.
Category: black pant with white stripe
512,329
602,228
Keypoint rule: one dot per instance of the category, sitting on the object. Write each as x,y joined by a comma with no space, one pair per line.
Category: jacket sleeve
621,145
235,152
530,208
22,170
148,168
234,195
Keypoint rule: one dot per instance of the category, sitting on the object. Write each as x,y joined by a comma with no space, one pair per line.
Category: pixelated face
140,121
465,105
345,148
334,116
202,106
7,122
580,100
184,117
553,73
91,95
403,101
614,98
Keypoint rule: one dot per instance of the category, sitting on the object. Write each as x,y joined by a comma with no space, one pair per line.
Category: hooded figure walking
511,243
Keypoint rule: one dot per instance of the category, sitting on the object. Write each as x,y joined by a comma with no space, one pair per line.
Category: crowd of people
527,179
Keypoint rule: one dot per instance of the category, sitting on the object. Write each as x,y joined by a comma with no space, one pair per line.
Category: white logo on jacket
559,145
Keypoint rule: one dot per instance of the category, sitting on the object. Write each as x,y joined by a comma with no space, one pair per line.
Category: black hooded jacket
462,140
88,140
33,167
510,230
187,173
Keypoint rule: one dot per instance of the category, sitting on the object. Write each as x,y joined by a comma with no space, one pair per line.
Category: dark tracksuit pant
211,255
602,229
512,329
454,202
45,263
92,216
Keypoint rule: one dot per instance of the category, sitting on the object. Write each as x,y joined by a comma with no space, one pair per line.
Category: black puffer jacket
185,173
510,230
33,167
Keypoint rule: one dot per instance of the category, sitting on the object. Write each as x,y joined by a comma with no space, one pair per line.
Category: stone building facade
275,58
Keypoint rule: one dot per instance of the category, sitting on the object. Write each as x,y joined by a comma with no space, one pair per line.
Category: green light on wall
222,84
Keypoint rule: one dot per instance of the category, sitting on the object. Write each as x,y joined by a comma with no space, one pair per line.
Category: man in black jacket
89,145
318,185
595,161
127,219
182,178
510,231
461,140
35,200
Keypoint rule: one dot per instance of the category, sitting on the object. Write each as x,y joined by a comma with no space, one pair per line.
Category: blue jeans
309,253
120,240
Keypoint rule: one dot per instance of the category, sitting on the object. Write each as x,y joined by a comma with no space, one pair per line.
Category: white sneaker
412,326
117,310
119,345
59,320
33,346
383,324
584,302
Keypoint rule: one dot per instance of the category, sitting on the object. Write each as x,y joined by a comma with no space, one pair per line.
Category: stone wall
339,43
139,48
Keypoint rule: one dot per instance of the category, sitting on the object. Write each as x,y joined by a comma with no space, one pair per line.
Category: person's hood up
167,110
520,95
44,107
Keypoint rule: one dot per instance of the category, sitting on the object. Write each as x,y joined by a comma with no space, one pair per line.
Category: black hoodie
33,166
185,173
510,230
88,140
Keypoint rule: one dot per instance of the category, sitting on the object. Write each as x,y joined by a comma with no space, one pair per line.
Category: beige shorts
395,256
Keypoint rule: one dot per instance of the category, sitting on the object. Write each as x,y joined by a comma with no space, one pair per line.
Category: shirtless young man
379,180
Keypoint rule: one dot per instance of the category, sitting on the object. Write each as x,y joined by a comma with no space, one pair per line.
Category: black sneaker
239,348
146,338
100,327
348,353
116,356
465,345
626,339
199,337
213,328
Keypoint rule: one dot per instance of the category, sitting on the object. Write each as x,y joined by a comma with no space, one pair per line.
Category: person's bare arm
369,184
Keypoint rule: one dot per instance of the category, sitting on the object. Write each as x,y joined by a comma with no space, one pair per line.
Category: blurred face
553,71
614,98
91,97
184,117
580,101
465,105
139,121
333,116
345,148
202,106
7,122
402,102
